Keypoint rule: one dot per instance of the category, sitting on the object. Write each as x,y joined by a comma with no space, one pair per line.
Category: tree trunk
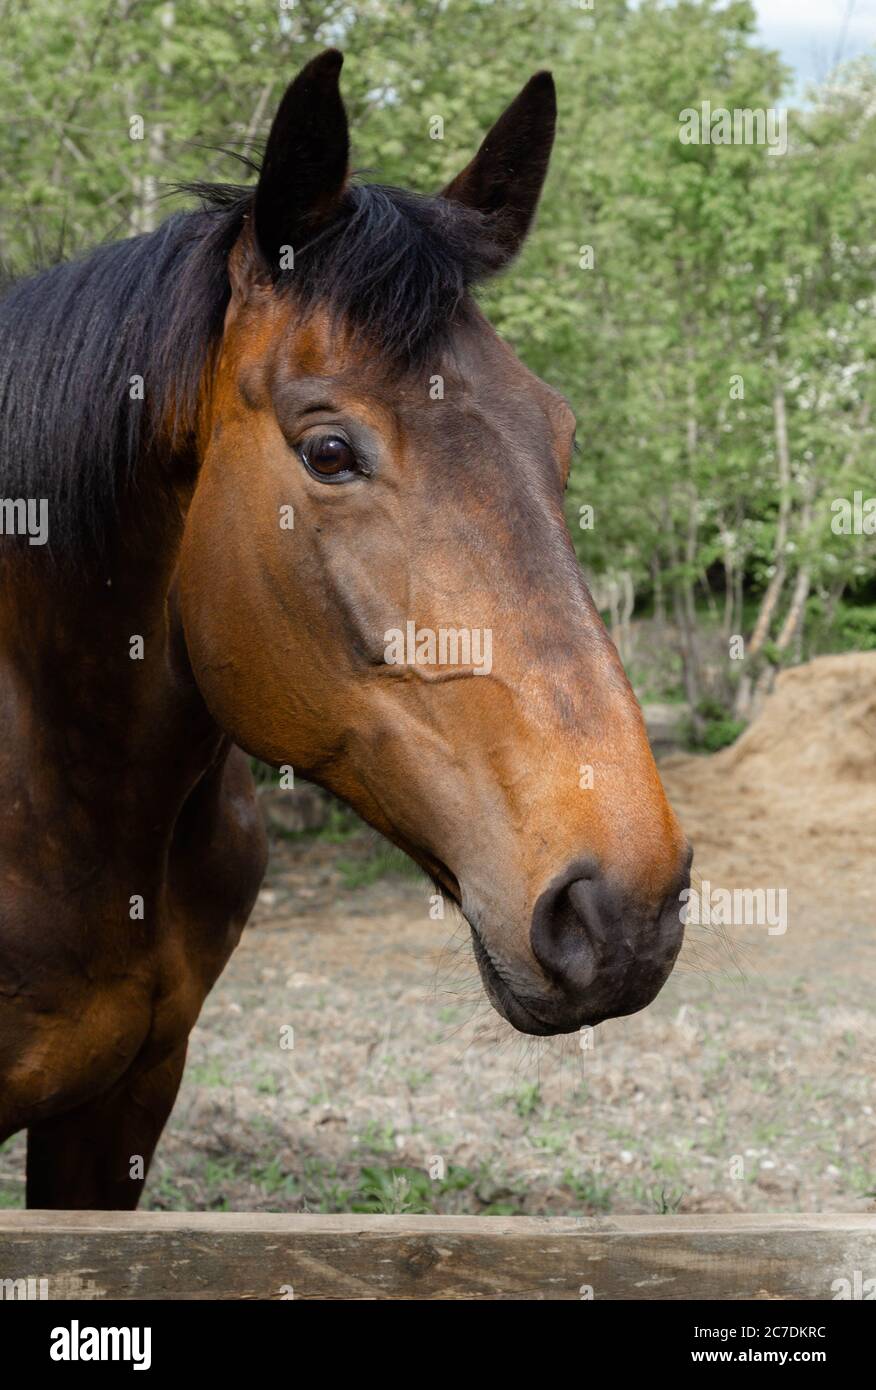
729,591
794,616
687,651
659,598
773,590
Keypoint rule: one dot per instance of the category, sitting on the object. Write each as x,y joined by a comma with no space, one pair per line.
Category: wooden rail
143,1255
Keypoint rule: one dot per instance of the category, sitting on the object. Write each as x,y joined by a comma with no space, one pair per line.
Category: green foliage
382,860
717,727
341,824
857,629
396,1190
589,1191
527,1100
846,628
666,1201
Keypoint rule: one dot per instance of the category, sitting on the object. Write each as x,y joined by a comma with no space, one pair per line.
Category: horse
264,437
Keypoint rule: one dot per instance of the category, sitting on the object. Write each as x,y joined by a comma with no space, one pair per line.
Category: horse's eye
329,458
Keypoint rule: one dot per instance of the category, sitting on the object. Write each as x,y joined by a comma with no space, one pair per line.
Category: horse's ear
506,175
304,170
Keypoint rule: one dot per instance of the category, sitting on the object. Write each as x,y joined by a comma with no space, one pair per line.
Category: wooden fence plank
241,1255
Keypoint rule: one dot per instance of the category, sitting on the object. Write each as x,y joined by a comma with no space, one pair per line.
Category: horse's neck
94,680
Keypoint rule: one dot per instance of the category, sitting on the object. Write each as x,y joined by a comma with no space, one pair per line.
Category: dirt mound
815,734
802,776
818,726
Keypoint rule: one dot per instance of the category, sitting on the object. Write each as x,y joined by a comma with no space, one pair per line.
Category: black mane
394,266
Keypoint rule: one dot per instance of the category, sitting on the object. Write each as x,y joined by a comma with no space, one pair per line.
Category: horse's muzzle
598,954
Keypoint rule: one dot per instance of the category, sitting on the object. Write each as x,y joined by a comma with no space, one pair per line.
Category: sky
811,34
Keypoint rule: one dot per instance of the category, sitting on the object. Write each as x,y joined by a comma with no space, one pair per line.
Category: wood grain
262,1256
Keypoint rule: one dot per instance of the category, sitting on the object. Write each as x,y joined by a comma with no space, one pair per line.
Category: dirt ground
748,1085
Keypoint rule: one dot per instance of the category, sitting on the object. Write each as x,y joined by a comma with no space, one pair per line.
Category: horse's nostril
604,950
593,940
571,929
